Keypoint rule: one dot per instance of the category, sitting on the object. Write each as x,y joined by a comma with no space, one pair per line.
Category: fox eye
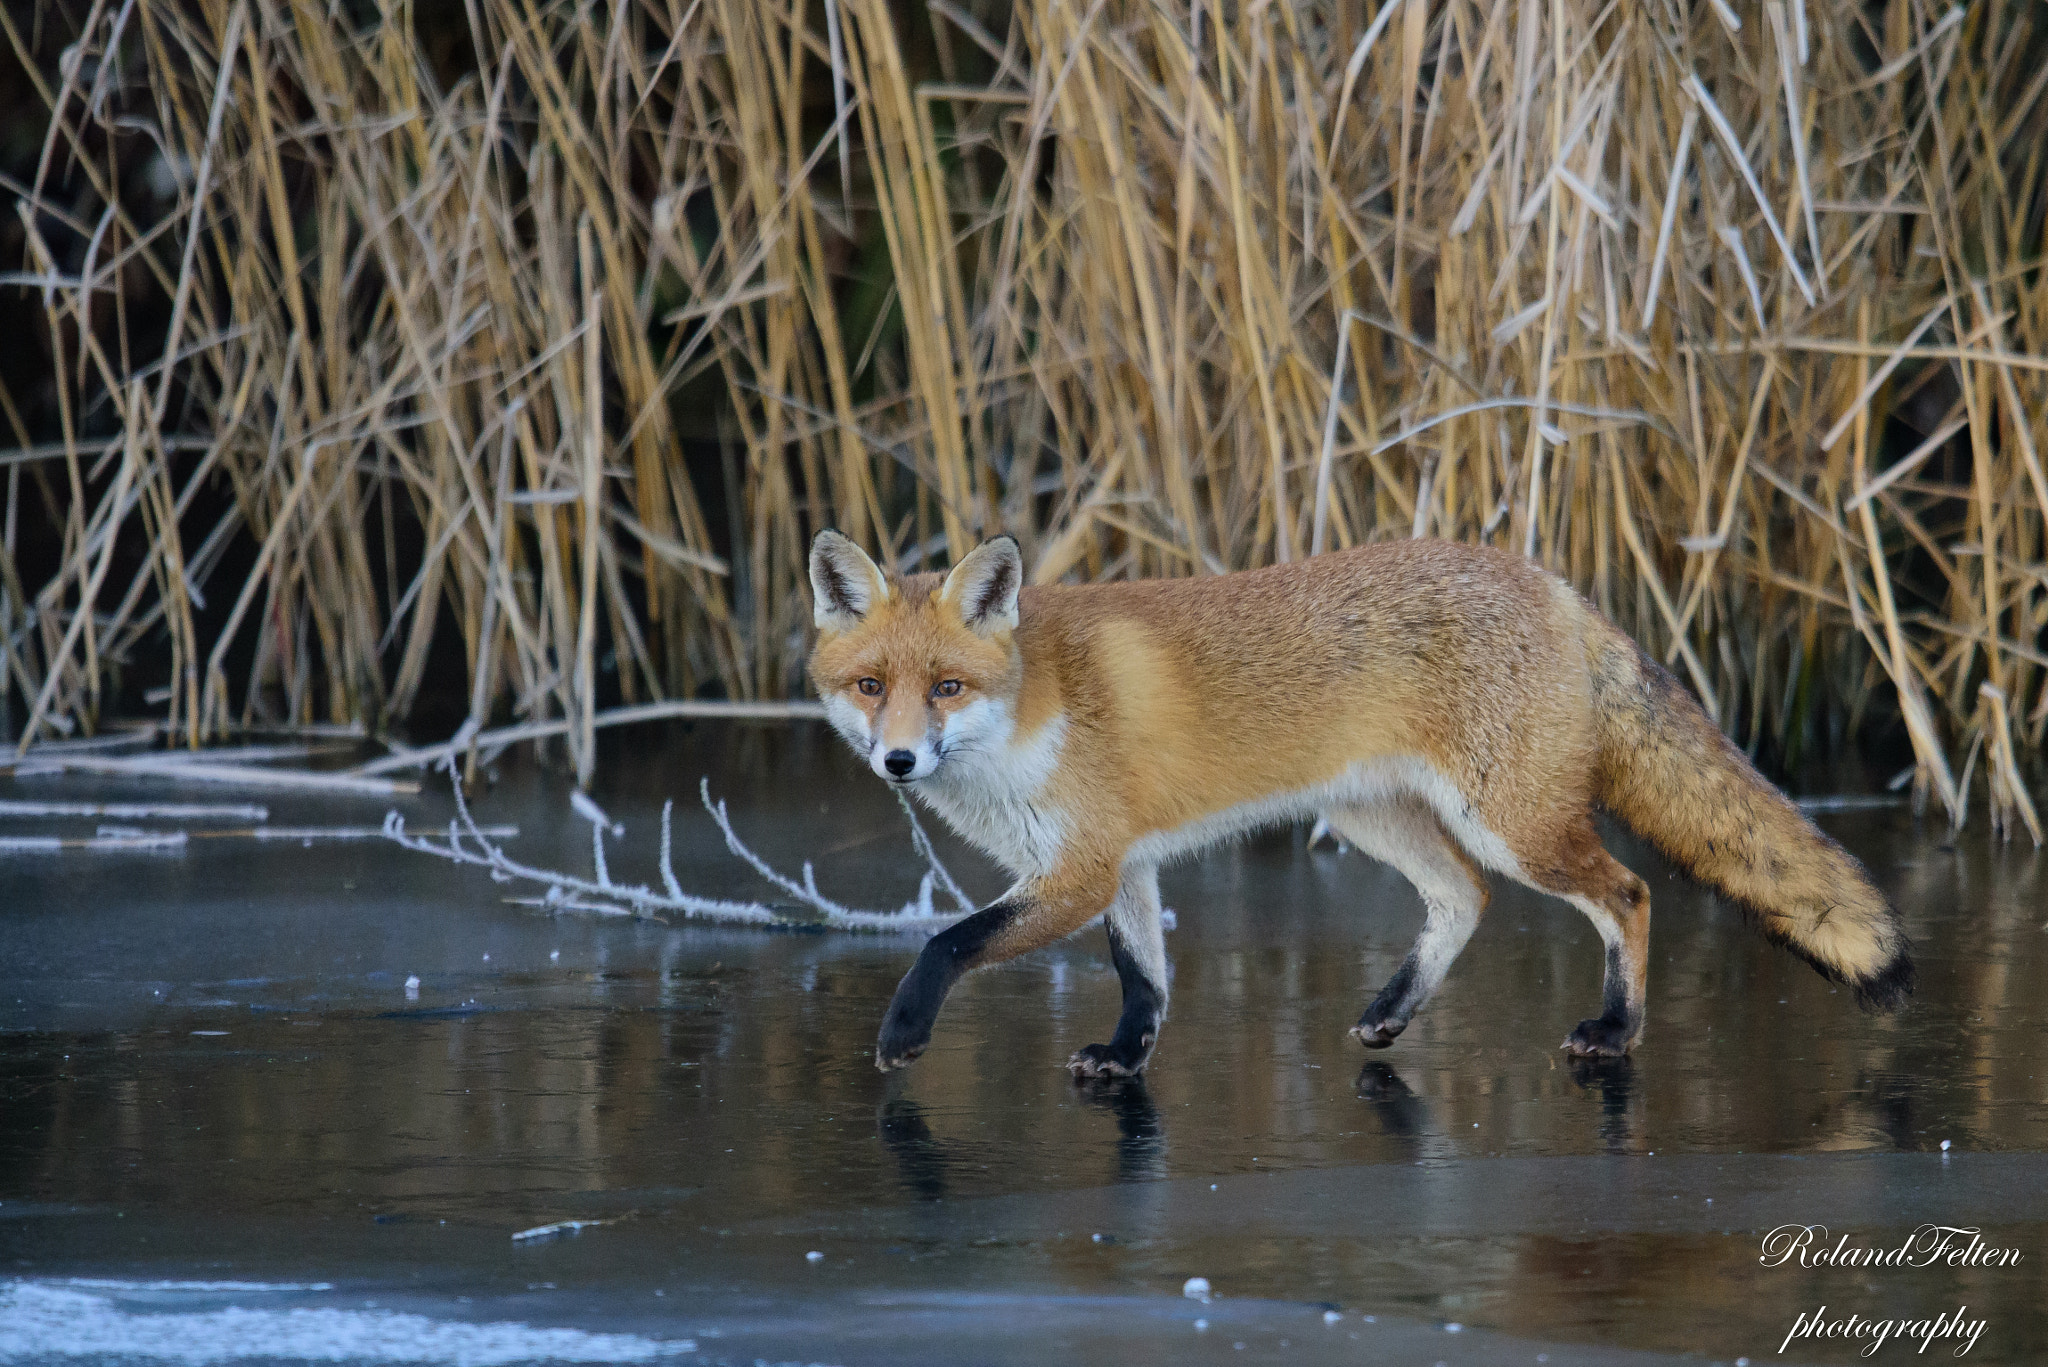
871,687
947,688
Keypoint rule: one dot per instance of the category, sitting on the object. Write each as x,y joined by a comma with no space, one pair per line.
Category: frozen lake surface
228,1134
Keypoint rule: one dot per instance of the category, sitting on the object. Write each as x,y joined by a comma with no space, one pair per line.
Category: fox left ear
984,586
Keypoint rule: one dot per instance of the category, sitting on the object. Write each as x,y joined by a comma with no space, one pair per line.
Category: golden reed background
559,328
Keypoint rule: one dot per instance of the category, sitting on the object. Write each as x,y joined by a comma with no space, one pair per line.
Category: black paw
1602,1038
1377,1034
1106,1060
900,1043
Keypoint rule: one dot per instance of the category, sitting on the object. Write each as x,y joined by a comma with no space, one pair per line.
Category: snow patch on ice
52,1321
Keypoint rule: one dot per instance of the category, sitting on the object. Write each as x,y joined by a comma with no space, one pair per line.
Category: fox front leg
946,958
1137,946
1407,836
1030,917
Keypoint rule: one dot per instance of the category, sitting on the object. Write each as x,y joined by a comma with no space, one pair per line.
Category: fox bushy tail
1670,775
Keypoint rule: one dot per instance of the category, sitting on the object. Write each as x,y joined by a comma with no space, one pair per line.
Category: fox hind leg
1406,834
1622,916
1579,869
1137,946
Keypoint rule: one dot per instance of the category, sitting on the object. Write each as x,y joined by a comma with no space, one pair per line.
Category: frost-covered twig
434,755
922,843
170,766
138,811
468,843
559,1227
108,838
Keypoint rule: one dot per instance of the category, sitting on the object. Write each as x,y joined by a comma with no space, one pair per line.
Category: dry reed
1733,314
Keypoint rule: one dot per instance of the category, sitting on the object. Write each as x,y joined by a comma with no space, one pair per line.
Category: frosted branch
467,843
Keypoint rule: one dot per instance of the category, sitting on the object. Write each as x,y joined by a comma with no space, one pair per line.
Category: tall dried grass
1732,313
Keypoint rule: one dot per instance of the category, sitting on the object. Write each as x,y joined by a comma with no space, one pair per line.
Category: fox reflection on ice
1403,1115
925,1161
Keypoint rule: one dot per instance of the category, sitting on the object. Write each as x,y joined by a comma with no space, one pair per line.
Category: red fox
1451,710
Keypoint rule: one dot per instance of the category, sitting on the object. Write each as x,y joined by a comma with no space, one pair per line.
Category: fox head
920,670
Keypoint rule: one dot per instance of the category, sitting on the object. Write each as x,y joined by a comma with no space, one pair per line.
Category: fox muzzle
903,764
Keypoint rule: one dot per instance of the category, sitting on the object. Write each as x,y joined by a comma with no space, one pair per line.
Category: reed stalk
559,334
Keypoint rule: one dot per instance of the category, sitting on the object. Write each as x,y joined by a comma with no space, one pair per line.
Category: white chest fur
990,787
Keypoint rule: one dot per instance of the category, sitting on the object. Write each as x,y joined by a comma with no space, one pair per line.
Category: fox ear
984,586
845,584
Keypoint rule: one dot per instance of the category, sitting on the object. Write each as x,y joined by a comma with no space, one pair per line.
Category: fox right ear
845,584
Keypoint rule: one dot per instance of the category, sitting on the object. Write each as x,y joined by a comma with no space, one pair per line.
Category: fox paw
1378,1034
1600,1038
1102,1060
899,1046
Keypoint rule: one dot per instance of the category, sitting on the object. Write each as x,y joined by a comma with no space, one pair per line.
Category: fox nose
899,762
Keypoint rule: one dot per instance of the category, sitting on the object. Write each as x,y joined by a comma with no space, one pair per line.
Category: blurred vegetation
518,348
